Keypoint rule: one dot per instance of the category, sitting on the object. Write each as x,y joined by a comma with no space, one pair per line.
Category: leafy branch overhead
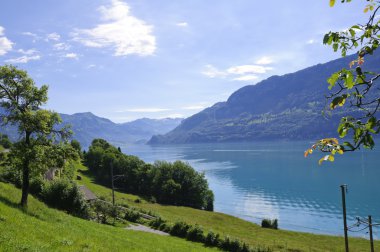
354,87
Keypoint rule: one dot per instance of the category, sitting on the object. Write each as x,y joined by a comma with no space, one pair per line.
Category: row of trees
169,183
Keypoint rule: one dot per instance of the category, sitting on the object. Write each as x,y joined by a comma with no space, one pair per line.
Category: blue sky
125,60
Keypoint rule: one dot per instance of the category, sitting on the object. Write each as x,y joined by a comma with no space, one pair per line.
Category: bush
267,223
195,233
180,229
212,239
132,215
156,223
65,195
36,186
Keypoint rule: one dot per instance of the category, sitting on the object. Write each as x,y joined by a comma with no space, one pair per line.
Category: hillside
281,107
227,225
44,229
87,126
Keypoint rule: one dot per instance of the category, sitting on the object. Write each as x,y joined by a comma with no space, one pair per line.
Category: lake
261,180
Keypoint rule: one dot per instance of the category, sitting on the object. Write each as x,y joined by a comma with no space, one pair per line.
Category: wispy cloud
249,77
53,37
23,59
264,61
251,69
5,44
310,41
61,46
27,52
238,73
213,72
121,31
182,24
27,55
71,56
33,35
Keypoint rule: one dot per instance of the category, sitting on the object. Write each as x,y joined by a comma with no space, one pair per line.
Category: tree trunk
25,174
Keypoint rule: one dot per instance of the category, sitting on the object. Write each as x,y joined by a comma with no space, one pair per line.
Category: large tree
21,102
354,87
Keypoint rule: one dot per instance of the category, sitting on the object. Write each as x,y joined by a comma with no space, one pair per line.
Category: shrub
195,233
180,229
36,186
267,223
156,223
212,239
131,215
138,200
65,195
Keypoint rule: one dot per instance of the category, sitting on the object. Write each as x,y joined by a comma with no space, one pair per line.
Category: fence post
370,232
343,189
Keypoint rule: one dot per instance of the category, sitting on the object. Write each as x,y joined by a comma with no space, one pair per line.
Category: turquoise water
273,180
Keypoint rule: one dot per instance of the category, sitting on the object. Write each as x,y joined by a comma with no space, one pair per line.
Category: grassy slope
279,240
44,229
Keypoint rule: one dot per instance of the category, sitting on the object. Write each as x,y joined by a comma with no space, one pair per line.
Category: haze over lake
273,180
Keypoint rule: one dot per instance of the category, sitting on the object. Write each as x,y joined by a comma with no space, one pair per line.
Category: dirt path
142,228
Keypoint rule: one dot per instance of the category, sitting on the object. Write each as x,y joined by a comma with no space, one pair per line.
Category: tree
21,101
354,87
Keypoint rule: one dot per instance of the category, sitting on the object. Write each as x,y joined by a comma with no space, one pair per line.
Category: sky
128,59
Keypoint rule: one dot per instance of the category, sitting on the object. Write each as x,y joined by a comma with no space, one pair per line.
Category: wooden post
370,232
343,189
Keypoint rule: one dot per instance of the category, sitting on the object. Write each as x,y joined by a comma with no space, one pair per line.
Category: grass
40,228
252,234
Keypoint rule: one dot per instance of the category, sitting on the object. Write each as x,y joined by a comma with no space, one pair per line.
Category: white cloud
213,72
71,56
23,59
5,44
27,52
182,24
248,77
264,61
61,46
121,31
239,73
145,110
53,36
244,69
310,41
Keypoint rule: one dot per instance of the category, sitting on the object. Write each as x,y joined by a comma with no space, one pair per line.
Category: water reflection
274,180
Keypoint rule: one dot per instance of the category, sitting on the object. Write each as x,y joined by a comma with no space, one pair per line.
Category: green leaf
349,80
332,2
352,32
332,80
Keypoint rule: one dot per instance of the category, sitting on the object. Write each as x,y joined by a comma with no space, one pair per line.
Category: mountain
87,126
287,107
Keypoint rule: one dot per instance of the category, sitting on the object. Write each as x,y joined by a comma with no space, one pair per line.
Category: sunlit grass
43,229
278,240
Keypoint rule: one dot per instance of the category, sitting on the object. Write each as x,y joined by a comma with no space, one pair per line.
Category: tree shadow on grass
18,207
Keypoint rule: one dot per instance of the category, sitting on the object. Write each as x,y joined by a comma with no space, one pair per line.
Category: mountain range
87,126
288,107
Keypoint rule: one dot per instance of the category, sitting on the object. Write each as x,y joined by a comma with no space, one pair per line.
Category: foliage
131,215
170,183
65,195
195,233
5,142
354,86
267,223
21,100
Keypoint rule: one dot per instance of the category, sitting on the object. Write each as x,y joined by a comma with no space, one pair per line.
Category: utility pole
113,188
370,232
344,189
